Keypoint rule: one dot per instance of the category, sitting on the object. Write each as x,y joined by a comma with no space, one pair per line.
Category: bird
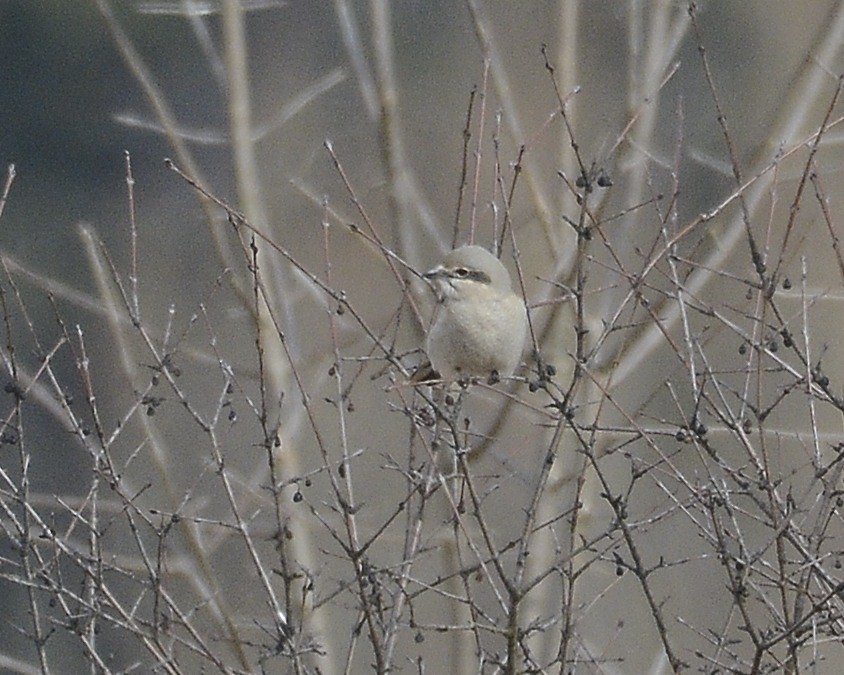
480,324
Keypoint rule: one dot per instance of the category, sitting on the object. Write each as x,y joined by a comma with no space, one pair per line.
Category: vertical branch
7,187
21,493
464,167
476,174
392,147
133,246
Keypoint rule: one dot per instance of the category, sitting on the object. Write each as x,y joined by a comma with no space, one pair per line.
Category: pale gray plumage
480,325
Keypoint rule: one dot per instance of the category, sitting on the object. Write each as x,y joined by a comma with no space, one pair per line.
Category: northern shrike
479,325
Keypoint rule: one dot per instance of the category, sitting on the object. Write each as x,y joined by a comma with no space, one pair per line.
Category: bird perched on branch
480,325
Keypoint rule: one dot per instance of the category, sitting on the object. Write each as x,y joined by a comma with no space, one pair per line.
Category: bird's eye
461,272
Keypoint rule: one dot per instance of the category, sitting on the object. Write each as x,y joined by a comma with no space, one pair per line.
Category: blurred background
388,86
66,90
